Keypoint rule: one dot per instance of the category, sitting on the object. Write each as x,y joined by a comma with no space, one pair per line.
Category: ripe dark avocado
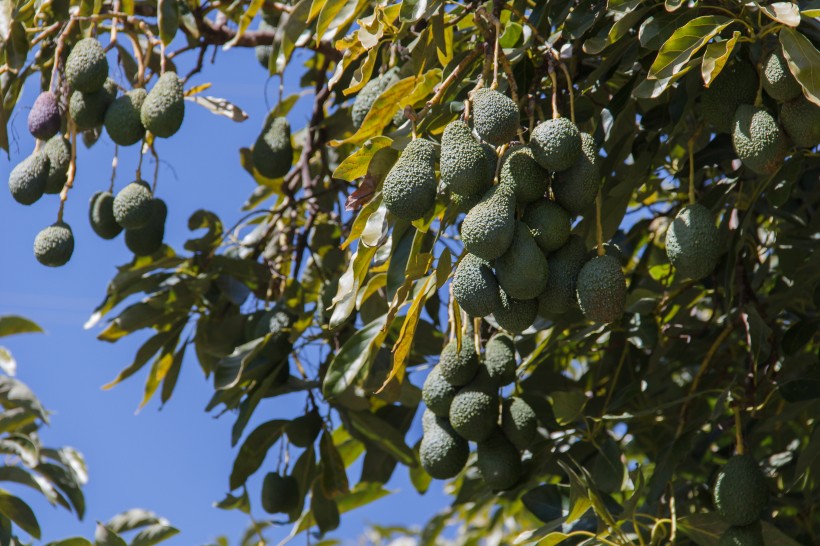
518,422
88,109
272,152
692,242
601,289
86,67
54,245
522,271
147,240
122,119
409,190
499,359
466,166
735,85
474,412
495,116
442,452
437,393
575,188
132,206
759,142
58,151
44,117
475,287
280,494
101,215
499,462
523,175
514,315
556,144
458,367
488,229
304,430
801,120
740,493
163,110
549,224
778,81
27,180
565,264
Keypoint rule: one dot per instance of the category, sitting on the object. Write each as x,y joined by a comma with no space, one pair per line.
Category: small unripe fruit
54,245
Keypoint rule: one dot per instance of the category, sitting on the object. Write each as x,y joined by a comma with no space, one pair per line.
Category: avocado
147,239
499,359
442,452
27,180
564,264
740,493
522,271
122,119
101,215
488,229
409,189
556,144
87,110
58,151
44,118
54,245
734,86
474,412
576,188
513,315
132,205
437,393
549,224
693,242
475,287
86,67
467,167
498,462
518,422
801,120
280,494
495,116
523,175
163,110
601,289
759,142
778,81
458,367
272,153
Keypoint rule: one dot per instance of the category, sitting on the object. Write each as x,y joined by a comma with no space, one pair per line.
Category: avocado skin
163,110
488,229
550,225
148,239
437,393
458,367
514,315
496,118
467,167
101,215
778,81
442,452
693,242
576,188
734,86
499,359
559,295
272,153
523,270
801,120
87,110
44,118
498,462
740,493
409,189
27,180
132,205
474,412
758,140
122,119
54,245
86,67
518,422
280,494
58,151
556,144
475,287
601,289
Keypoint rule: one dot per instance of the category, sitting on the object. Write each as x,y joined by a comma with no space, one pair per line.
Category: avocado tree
574,239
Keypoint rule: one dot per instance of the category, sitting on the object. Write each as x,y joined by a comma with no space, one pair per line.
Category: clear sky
176,461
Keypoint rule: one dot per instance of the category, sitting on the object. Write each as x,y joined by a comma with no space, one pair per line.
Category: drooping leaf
804,62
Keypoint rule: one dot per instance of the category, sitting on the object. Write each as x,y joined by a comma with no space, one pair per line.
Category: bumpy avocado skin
147,240
522,271
549,224
280,494
409,190
692,242
163,110
303,430
759,142
575,188
740,493
27,180
475,287
474,412
458,367
369,93
272,152
442,452
465,168
86,67
463,203
54,245
518,422
523,175
437,393
488,229
499,359
801,120
513,315
87,110
132,205
44,117
499,462
58,151
556,144
559,295
735,85
601,289
495,116
101,215
747,535
263,52
778,81
122,119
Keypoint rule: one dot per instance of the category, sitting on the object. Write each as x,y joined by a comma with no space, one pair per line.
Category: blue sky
176,461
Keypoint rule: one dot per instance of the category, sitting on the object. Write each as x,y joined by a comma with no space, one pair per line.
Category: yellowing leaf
717,53
244,22
355,165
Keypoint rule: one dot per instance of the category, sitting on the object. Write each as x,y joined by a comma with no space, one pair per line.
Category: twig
599,230
114,162
456,74
739,447
72,170
555,113
690,146
58,53
563,68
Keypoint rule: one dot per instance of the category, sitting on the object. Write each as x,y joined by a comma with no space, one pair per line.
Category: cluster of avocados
761,140
91,104
740,496
463,405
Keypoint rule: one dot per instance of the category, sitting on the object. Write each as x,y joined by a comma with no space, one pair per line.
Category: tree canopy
616,200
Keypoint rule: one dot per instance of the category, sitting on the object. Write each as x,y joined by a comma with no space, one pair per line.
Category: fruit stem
563,68
58,53
555,113
599,231
739,447
114,162
494,85
72,170
691,146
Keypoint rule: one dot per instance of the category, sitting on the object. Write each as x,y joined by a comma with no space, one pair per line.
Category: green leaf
800,390
706,528
334,476
349,284
787,13
384,435
579,501
73,541
355,165
291,27
804,62
154,534
412,10
324,509
717,53
330,9
12,324
131,519
567,405
401,350
7,362
168,20
20,513
545,502
244,22
103,536
355,356
230,502
253,450
684,43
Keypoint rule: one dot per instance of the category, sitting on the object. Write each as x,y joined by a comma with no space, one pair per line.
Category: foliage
635,416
